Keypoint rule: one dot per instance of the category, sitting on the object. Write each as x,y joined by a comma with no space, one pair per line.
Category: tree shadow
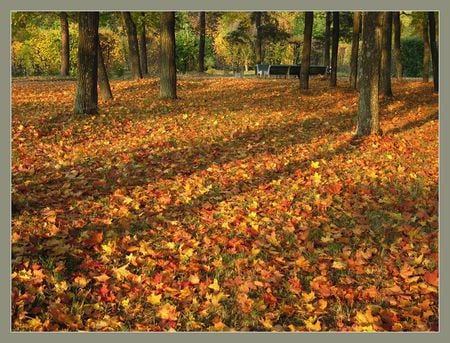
414,124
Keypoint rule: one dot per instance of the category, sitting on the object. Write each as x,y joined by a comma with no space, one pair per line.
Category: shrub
412,56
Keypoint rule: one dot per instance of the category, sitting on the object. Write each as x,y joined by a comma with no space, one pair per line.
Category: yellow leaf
215,286
81,281
171,245
322,304
308,296
168,312
194,279
317,178
302,262
122,272
154,299
314,165
311,326
338,265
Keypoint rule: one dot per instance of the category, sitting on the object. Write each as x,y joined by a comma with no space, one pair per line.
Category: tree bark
133,48
103,80
386,48
368,108
258,41
397,49
426,50
334,49
143,46
65,50
434,50
355,48
201,43
168,81
306,51
86,95
327,40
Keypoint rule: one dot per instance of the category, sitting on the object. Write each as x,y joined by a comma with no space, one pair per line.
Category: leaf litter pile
243,205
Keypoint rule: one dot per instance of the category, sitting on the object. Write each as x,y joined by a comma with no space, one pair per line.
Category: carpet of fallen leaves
243,205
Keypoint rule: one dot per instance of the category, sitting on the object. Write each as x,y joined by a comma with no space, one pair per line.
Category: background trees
386,47
168,78
65,48
86,93
434,51
355,49
334,49
368,108
133,46
306,52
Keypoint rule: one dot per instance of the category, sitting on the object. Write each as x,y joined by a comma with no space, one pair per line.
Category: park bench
262,69
287,70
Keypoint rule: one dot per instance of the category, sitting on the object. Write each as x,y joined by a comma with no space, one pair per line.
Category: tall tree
386,48
143,45
201,43
334,49
258,40
426,50
397,48
133,47
326,54
65,50
168,80
355,48
306,51
86,94
434,51
368,108
103,80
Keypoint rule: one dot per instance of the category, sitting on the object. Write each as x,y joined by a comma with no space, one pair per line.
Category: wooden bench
287,70
262,69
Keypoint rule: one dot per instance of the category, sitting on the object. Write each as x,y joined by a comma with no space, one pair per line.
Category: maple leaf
314,165
312,324
432,278
168,312
154,299
215,286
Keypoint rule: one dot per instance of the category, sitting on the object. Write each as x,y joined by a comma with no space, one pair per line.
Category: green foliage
412,56
186,46
40,53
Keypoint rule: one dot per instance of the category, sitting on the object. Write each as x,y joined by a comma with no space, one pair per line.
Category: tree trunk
355,48
368,110
397,49
133,48
103,80
434,51
258,41
426,51
306,51
201,44
327,40
386,48
168,81
143,46
86,94
65,50
334,49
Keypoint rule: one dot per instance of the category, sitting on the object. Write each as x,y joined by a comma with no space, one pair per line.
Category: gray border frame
226,5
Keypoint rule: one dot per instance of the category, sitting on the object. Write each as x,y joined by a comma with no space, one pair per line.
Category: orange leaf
432,278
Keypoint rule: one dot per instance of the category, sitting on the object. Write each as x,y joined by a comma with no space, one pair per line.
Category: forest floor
243,205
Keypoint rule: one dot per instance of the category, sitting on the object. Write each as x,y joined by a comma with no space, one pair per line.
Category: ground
243,205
